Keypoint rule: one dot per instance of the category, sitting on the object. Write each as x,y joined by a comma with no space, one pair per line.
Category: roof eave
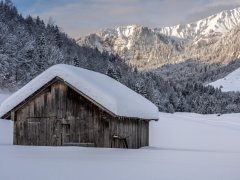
6,116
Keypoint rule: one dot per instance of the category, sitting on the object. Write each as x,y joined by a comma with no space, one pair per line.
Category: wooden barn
71,106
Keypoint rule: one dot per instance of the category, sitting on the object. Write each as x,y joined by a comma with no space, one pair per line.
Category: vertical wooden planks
47,119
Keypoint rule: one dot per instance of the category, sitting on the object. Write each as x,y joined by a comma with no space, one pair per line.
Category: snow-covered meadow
184,146
229,82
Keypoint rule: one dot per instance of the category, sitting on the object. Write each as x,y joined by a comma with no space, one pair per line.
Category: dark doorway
65,133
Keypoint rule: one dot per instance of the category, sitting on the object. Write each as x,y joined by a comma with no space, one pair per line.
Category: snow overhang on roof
109,93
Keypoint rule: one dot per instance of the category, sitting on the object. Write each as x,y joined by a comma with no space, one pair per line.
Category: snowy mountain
149,48
140,46
229,83
215,25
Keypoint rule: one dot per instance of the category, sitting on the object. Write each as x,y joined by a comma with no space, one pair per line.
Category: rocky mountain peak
150,48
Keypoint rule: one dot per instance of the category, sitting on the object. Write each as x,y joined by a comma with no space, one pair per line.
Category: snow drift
190,131
6,132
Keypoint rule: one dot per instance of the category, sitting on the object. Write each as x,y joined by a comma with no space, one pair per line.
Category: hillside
182,146
229,83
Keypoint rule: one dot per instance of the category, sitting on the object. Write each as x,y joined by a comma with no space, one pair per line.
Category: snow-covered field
184,147
230,82
196,132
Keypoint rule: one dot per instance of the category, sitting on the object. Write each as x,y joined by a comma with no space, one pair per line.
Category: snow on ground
6,133
195,131
184,146
230,82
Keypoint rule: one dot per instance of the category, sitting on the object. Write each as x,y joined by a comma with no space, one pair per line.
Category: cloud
81,17
211,8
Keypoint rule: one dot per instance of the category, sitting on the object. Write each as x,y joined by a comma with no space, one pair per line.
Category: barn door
53,131
65,133
34,132
44,131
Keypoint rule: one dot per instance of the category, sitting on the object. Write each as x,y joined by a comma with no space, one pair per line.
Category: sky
81,17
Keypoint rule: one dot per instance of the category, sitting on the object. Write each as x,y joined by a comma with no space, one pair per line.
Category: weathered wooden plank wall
60,115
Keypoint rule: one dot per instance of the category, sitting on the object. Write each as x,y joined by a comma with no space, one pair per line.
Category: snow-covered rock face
123,31
136,44
110,39
217,24
149,48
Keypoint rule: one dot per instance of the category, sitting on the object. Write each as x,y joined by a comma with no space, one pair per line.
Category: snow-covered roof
229,83
109,93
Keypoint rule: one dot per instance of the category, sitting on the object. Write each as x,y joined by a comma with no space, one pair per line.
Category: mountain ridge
203,26
220,23
149,48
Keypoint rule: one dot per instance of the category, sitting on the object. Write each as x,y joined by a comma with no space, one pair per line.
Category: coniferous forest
28,46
